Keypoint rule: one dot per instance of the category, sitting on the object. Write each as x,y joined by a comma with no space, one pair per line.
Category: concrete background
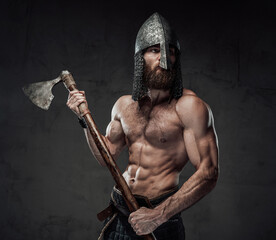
50,185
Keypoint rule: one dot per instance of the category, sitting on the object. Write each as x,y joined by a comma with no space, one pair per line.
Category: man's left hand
145,220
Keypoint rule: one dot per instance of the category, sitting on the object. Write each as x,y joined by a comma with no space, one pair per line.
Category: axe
40,94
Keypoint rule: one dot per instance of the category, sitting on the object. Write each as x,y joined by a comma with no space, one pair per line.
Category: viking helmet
155,30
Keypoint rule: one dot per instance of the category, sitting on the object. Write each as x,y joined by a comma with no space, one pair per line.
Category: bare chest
158,126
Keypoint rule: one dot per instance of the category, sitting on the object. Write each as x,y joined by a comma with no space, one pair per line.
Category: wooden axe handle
70,84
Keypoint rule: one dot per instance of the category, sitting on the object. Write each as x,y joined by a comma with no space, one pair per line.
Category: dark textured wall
50,185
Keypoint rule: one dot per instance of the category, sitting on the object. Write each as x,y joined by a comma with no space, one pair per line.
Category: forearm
193,190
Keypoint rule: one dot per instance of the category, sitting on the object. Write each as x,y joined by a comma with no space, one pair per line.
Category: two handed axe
41,95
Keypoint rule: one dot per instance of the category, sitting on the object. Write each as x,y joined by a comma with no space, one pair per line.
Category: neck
158,96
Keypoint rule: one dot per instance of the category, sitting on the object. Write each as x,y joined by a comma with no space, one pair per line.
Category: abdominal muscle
153,171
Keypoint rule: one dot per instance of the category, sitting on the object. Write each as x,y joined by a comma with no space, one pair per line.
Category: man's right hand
75,98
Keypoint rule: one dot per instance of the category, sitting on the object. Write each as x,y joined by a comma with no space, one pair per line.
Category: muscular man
164,126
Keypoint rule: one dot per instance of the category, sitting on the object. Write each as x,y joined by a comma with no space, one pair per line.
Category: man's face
152,56
155,76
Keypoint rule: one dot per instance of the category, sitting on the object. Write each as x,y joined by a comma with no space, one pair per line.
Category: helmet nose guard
165,61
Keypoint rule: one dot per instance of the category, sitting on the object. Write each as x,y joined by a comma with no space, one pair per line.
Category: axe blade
40,93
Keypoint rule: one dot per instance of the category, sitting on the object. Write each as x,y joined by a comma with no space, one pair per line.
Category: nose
159,57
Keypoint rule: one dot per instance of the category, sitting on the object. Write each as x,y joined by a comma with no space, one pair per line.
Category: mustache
162,69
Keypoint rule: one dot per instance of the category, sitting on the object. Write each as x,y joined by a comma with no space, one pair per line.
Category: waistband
118,201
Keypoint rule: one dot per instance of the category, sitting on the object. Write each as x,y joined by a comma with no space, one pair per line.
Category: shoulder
188,92
193,110
189,101
122,103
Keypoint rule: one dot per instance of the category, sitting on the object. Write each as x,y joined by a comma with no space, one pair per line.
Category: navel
162,140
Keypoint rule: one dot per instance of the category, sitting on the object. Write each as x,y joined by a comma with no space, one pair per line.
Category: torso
157,153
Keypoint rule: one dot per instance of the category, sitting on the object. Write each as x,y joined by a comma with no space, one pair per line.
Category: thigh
173,229
120,229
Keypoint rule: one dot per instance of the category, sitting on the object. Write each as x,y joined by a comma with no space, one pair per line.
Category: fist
75,98
145,220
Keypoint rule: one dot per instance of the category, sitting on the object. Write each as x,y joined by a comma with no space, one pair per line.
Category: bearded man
164,126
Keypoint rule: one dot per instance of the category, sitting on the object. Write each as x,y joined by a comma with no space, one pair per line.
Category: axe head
40,93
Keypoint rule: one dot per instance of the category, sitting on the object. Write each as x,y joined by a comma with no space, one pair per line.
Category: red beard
163,79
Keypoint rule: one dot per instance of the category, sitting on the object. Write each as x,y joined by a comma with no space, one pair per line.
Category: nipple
163,140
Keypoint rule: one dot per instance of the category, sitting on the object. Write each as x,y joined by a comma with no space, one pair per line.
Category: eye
154,50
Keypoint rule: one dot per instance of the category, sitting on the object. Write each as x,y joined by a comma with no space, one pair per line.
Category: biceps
208,149
202,151
115,137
